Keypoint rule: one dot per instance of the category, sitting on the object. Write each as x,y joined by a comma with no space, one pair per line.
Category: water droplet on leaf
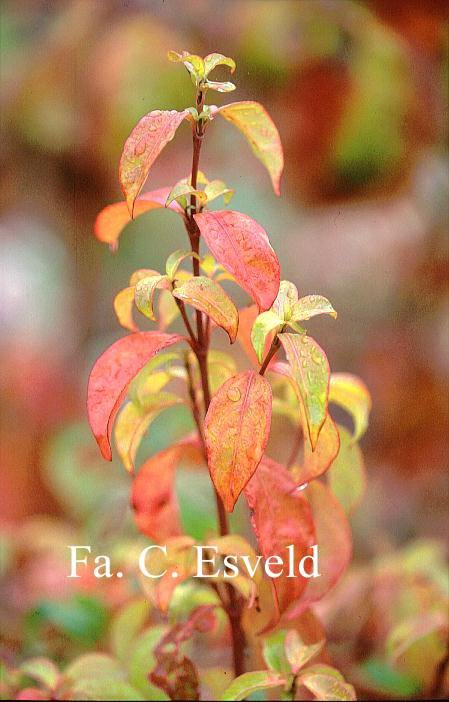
234,394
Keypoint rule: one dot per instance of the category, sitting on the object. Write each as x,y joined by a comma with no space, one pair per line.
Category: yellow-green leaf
175,259
143,146
310,369
167,310
236,430
123,308
216,188
213,60
297,652
182,191
311,305
132,423
194,64
346,476
351,393
326,683
144,293
285,300
263,325
255,123
209,297
248,683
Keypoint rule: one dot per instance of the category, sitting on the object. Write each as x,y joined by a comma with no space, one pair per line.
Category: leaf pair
200,68
286,656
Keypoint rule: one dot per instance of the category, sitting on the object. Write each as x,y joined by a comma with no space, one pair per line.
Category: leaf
311,372
226,87
182,191
242,246
141,660
264,325
333,538
151,134
310,306
221,366
111,221
350,393
153,497
174,672
144,293
175,259
285,300
216,188
213,60
246,684
111,375
167,310
235,545
123,308
132,423
153,377
247,317
325,685
297,652
274,652
208,296
252,119
105,690
41,670
317,462
347,478
194,64
281,516
126,625
99,666
236,431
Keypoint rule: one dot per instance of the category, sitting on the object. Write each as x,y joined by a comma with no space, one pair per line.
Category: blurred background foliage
359,93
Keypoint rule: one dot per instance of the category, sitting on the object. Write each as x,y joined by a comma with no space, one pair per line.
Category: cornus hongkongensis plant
293,513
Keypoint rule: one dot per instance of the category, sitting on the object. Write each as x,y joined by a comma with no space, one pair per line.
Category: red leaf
236,431
241,245
142,148
153,496
334,540
111,375
281,516
113,219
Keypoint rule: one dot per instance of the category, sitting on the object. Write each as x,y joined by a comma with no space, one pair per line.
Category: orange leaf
252,119
142,148
247,317
111,375
113,219
334,540
236,429
281,516
241,245
317,462
153,495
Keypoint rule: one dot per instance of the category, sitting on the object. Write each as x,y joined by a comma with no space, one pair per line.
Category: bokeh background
359,93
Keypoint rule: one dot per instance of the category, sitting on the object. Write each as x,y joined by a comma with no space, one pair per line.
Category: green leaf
285,300
182,191
213,60
350,393
248,683
298,653
105,690
256,125
153,376
263,325
126,625
94,665
311,305
380,675
209,297
141,662
81,618
310,369
42,670
144,293
274,652
175,259
346,476
326,683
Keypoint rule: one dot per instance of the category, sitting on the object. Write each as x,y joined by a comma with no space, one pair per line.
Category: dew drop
234,394
302,487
